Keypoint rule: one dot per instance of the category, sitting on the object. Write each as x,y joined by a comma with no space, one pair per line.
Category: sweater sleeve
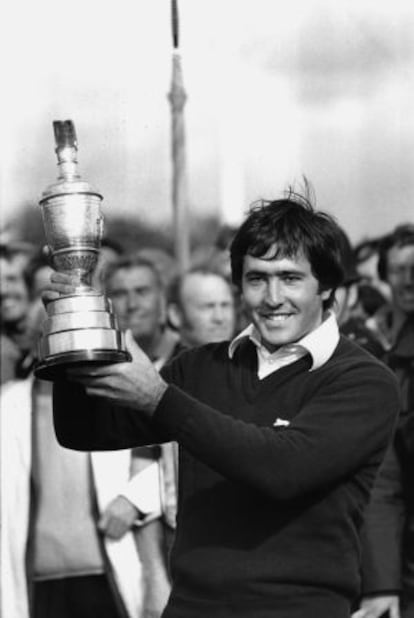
382,534
94,424
346,422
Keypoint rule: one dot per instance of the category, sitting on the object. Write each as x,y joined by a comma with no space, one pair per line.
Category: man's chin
218,336
276,330
273,341
137,334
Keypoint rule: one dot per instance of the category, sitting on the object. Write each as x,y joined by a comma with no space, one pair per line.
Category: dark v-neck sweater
266,512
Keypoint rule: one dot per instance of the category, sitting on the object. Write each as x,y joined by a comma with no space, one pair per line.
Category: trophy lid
69,180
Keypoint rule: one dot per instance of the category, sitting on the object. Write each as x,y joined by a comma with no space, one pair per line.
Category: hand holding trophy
81,327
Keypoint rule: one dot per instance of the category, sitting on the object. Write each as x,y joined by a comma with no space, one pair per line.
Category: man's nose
132,300
218,314
407,275
6,287
274,292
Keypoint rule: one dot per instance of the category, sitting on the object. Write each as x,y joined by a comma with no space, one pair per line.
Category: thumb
132,346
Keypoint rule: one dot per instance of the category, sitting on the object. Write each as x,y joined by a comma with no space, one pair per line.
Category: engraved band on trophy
80,327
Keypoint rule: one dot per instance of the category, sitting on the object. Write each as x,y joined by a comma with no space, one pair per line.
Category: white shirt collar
319,343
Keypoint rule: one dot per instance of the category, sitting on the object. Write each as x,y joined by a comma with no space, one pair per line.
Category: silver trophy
81,327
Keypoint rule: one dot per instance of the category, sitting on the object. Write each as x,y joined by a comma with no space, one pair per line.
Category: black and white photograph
207,309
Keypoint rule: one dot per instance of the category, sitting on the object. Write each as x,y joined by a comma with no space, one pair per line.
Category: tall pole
177,97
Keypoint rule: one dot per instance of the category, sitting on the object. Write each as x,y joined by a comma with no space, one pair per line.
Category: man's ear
325,294
353,295
163,315
174,316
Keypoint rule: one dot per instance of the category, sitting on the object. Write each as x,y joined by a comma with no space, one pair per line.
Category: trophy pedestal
80,329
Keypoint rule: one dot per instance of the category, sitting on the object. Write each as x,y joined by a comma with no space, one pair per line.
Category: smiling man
283,296
138,297
280,430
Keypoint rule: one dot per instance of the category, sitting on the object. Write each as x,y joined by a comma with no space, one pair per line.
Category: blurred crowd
88,534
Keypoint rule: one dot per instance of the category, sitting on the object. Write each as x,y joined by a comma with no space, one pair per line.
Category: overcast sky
276,90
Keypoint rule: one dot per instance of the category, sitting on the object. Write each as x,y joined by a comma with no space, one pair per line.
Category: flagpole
177,98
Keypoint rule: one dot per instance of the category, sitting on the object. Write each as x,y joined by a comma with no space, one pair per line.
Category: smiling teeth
277,318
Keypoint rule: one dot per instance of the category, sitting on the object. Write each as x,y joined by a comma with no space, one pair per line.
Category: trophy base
80,329
54,367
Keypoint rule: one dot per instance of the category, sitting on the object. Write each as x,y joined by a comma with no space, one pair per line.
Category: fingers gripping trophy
80,327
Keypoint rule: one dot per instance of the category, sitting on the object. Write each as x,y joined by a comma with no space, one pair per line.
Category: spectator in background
163,262
201,307
14,307
76,530
366,257
136,287
109,252
349,307
36,274
388,575
138,295
220,260
216,257
373,291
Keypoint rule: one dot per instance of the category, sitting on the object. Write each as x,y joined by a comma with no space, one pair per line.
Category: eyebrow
135,288
278,273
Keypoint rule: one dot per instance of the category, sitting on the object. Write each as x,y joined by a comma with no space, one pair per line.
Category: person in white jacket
73,548
69,520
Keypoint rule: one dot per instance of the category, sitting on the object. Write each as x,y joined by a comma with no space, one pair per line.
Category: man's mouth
6,303
407,296
135,317
276,317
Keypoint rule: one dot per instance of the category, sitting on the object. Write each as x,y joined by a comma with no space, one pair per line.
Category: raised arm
347,423
343,424
87,423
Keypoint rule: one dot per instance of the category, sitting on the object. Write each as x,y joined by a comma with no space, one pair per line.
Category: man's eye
255,279
116,294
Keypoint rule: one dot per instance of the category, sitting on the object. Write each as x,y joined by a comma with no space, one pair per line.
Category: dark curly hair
291,225
401,236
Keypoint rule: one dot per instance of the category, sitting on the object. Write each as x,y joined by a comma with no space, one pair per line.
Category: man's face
14,295
106,256
283,298
138,301
207,310
400,276
368,271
